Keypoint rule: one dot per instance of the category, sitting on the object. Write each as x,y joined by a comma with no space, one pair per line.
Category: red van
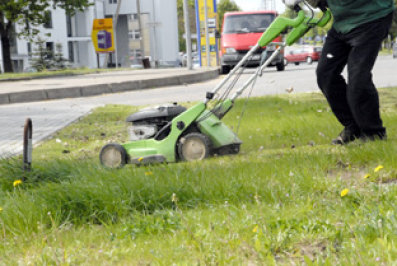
240,32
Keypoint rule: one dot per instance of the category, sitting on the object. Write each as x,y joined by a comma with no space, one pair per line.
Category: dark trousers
355,104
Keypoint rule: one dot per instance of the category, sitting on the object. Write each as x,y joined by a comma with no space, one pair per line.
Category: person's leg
362,95
331,82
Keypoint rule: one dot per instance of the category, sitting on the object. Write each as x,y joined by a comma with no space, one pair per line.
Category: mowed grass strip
278,201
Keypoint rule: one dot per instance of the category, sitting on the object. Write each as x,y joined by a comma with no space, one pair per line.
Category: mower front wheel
194,147
113,156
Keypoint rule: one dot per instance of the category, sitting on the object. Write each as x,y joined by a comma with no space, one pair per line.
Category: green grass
66,72
277,202
386,51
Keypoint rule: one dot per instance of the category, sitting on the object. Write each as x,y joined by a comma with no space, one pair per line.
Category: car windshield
247,23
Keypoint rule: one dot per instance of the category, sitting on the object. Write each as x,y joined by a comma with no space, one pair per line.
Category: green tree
59,60
42,57
31,14
226,6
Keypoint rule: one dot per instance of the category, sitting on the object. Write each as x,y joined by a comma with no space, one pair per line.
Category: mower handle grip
307,24
279,25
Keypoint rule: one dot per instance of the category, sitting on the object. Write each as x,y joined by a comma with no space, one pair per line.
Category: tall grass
287,176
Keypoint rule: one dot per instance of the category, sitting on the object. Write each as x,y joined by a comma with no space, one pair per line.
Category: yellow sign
102,35
211,22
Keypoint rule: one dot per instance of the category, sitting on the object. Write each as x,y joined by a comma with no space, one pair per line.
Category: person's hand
291,3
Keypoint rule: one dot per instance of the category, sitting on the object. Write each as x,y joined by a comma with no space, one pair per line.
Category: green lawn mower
171,133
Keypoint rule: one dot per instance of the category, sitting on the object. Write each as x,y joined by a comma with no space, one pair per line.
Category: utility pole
142,44
115,20
207,37
188,34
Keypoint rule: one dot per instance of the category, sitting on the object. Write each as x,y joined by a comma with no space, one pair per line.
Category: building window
50,49
135,54
134,35
69,26
112,1
71,51
48,19
29,49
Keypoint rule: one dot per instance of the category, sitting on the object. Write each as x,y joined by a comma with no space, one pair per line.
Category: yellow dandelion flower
148,173
367,176
255,229
17,182
344,192
140,159
378,168
1,209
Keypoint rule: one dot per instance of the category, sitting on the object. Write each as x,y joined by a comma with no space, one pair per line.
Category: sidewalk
96,84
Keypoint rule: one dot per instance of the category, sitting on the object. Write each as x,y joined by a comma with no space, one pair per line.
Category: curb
92,90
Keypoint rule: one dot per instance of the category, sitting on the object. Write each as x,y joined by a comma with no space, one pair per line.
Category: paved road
50,116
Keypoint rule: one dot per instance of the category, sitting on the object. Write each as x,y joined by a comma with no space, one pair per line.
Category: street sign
103,35
211,22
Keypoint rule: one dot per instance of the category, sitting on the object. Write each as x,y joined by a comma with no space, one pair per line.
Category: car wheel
309,60
280,66
225,69
296,63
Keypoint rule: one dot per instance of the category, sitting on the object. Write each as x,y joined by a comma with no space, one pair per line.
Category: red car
305,54
240,32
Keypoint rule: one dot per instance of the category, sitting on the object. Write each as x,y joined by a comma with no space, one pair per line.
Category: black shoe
347,135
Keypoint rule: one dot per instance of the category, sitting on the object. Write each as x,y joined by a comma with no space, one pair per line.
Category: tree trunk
6,48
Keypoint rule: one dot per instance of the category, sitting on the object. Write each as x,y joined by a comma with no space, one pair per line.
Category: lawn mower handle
279,25
301,26
292,37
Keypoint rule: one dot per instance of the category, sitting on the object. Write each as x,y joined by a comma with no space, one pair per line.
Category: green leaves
33,12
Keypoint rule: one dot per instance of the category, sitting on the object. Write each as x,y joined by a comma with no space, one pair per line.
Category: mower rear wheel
113,156
194,147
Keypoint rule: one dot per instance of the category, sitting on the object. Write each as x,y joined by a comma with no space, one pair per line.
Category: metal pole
188,35
115,20
154,35
234,70
257,73
97,60
27,145
142,44
207,37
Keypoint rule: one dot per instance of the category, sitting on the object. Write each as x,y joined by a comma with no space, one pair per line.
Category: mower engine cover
147,122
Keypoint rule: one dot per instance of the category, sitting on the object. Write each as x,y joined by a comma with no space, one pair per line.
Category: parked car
195,60
240,32
395,50
306,54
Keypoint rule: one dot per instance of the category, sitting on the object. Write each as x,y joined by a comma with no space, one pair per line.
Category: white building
159,31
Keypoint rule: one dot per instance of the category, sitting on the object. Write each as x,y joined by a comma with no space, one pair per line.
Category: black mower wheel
113,156
194,147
